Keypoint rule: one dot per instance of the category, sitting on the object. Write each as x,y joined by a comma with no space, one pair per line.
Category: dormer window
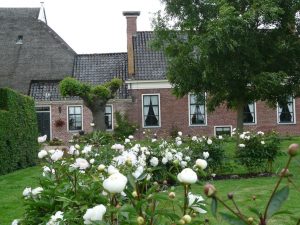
19,40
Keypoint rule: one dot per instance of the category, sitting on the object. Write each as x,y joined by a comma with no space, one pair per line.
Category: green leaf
131,180
277,200
214,207
255,211
232,219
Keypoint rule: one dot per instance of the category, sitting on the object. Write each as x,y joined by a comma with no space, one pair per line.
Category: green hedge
18,131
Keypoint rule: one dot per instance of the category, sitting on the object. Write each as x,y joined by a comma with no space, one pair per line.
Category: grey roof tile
47,90
99,68
19,13
149,64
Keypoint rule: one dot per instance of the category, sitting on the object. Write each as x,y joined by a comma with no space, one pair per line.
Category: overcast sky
92,26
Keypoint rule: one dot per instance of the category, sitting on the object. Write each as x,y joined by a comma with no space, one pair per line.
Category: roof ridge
99,54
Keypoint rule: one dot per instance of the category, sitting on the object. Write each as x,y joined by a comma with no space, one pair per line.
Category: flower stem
276,187
185,204
231,210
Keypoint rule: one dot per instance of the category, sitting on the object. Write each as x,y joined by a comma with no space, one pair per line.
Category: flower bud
140,220
176,162
187,218
230,195
284,173
165,182
181,221
254,197
128,162
172,195
250,220
293,149
209,190
77,146
101,167
134,194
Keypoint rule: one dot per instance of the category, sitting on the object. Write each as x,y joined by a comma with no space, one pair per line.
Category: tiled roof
99,68
149,64
19,13
47,90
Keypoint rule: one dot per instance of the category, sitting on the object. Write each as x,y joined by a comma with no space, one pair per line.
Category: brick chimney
131,30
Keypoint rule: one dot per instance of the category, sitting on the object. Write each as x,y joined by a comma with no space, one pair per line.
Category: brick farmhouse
34,59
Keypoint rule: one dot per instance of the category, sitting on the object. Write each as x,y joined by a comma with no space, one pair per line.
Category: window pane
151,110
146,100
197,110
249,113
108,109
154,100
77,110
223,131
75,118
71,110
286,111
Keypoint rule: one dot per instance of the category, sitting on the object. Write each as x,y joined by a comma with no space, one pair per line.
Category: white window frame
50,110
255,116
215,133
159,110
294,114
112,117
81,117
189,111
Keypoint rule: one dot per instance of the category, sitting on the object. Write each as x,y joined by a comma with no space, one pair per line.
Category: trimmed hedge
18,131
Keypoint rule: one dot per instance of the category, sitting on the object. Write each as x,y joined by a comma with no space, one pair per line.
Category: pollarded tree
238,51
94,97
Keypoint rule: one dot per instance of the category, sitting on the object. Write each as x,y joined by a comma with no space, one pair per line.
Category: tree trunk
97,107
240,118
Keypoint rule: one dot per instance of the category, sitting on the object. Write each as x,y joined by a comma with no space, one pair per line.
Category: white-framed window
250,113
286,112
197,110
151,110
108,117
75,118
223,130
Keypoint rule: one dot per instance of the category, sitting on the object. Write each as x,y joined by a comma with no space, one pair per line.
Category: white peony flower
42,154
260,133
153,140
77,146
47,170
55,219
115,183
73,150
183,164
42,139
92,161
37,191
194,138
205,155
169,156
220,137
195,201
130,137
87,149
242,145
81,164
187,158
154,161
179,133
187,176
178,143
27,192
242,136
127,140
15,222
94,214
262,142
201,163
118,147
209,141
101,167
111,170
164,160
138,172
57,155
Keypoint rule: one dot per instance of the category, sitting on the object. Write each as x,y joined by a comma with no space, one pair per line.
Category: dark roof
149,64
47,90
99,68
19,13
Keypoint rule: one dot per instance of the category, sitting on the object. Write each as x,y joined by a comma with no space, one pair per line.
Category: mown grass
12,186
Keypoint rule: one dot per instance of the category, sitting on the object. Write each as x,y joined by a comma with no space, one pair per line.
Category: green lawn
12,186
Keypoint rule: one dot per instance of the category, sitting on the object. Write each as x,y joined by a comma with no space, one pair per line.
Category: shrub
18,131
257,151
124,128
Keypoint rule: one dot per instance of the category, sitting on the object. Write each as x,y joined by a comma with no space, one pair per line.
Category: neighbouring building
34,59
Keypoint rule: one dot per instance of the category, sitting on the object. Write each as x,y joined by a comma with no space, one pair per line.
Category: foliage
55,142
18,131
94,97
277,198
96,138
236,51
257,151
123,127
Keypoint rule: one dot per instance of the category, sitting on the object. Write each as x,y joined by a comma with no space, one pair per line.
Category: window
197,110
151,113
286,111
249,113
223,130
75,118
19,40
108,117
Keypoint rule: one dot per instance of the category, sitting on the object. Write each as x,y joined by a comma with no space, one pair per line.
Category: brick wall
174,113
59,110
